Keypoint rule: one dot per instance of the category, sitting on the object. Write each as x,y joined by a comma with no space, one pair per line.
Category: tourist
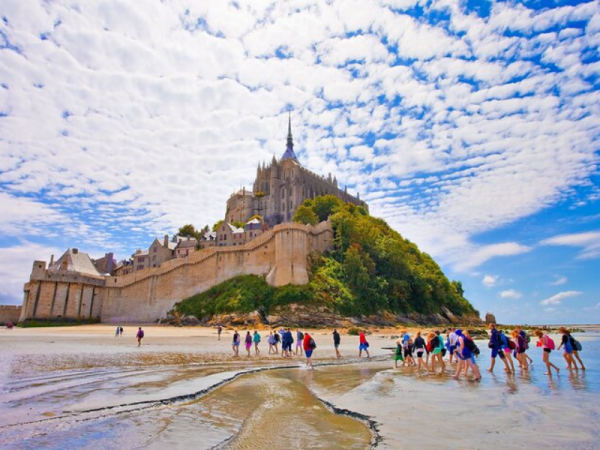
336,343
435,344
419,350
299,339
117,331
547,345
576,345
568,350
363,345
527,338
508,346
452,342
248,342
309,346
408,349
521,346
256,340
235,344
276,341
271,341
140,336
121,331
219,331
496,345
466,351
286,344
399,350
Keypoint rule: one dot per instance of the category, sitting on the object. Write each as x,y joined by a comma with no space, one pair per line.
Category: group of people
429,352
9,325
119,331
304,343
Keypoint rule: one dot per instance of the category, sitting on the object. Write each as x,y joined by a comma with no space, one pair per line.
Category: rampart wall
9,313
147,295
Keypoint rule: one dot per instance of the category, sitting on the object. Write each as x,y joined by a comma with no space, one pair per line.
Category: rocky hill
372,276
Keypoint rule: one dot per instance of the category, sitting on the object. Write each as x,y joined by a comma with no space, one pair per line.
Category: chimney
51,260
75,251
166,241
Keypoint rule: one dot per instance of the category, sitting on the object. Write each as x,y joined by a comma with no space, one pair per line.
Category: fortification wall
9,313
147,295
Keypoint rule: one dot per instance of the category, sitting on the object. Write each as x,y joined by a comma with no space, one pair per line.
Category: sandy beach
82,387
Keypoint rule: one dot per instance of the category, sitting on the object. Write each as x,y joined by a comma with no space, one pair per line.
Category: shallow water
157,400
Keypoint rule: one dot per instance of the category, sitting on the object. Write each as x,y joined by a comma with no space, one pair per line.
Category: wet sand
80,387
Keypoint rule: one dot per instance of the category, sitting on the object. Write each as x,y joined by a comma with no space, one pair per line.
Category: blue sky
471,127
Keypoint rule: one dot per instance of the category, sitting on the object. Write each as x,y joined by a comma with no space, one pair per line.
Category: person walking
248,341
336,343
419,349
568,349
120,331
576,345
140,336
299,339
309,346
495,344
398,355
452,343
117,332
276,341
256,340
271,341
547,345
363,345
235,344
521,346
219,331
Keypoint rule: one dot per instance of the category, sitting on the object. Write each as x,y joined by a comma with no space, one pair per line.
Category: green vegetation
242,294
217,224
190,231
40,323
371,269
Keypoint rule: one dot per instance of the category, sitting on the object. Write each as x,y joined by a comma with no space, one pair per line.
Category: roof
187,244
74,261
210,236
253,221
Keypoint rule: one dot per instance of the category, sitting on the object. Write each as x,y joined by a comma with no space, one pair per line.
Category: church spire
289,150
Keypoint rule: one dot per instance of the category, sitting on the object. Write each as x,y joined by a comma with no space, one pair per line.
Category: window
155,249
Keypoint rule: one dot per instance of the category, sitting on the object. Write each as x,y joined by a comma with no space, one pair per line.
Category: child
547,344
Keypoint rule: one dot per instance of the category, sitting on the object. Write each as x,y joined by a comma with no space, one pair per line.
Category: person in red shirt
309,345
363,345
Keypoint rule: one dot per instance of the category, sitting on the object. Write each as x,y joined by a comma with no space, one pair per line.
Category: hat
458,332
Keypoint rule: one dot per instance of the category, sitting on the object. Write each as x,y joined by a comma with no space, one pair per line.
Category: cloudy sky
472,127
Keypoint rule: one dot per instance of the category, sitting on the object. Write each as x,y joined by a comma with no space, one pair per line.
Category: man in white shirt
453,338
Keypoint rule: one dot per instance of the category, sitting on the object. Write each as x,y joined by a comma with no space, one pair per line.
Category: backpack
300,336
549,343
312,344
503,340
576,344
511,344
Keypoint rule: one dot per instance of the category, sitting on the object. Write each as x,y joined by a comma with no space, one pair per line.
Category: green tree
325,206
217,225
189,231
305,214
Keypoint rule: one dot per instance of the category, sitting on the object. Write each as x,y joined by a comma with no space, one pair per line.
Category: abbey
280,188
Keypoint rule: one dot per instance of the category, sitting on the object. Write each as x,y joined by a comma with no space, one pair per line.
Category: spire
289,150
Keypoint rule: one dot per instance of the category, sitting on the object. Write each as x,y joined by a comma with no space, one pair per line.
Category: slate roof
76,261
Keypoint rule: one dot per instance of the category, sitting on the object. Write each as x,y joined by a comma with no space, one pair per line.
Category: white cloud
559,280
489,280
487,252
15,266
558,298
510,293
589,241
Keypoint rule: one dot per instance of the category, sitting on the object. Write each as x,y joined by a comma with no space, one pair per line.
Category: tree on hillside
189,231
305,215
325,206
217,225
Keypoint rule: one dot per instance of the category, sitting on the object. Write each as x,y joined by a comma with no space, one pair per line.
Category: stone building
280,188
185,247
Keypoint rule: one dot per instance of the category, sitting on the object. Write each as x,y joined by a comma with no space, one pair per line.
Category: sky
471,127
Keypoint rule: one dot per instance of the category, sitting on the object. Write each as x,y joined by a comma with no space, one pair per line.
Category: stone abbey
281,187
147,286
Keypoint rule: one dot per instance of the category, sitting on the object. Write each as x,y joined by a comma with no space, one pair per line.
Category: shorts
419,352
547,350
452,349
336,345
407,353
248,345
437,351
237,344
363,347
398,358
473,359
298,344
498,352
288,347
507,350
308,352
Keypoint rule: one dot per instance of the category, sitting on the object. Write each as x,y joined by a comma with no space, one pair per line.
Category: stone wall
147,295
9,313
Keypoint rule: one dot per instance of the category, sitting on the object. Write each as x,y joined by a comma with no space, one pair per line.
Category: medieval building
280,188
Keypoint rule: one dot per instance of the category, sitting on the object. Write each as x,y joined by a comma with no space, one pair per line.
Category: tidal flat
81,387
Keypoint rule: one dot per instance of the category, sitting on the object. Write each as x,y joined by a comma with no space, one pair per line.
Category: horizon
471,128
